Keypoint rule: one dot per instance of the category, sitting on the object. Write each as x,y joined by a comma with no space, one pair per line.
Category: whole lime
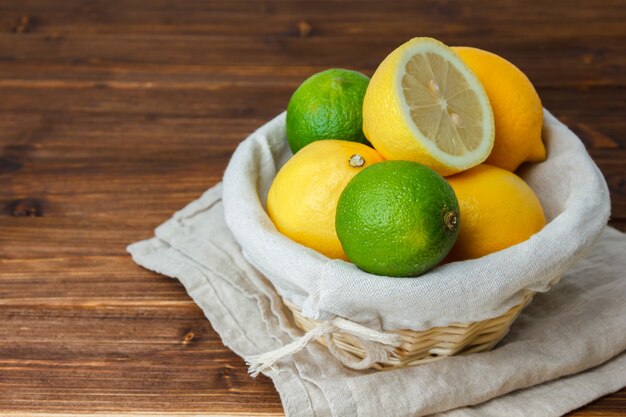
327,105
397,218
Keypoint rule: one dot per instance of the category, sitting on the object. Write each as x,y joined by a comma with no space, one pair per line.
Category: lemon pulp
425,105
442,104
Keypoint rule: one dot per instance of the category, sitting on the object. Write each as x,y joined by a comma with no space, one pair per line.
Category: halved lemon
424,104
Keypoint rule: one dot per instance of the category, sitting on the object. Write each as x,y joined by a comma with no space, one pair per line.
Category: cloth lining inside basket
570,186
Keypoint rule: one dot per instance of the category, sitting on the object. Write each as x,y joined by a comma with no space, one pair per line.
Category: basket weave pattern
419,347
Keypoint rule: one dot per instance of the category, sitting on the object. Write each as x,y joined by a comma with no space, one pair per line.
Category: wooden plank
594,105
115,114
96,359
432,15
63,281
570,60
310,22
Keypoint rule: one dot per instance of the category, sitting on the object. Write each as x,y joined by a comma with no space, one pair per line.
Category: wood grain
115,114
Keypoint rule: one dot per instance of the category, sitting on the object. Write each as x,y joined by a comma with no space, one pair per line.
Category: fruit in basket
498,210
397,218
303,196
517,109
327,105
424,104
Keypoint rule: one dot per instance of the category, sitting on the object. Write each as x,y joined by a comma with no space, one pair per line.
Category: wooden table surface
114,114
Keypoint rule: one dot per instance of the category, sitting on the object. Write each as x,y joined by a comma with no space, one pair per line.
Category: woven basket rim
419,347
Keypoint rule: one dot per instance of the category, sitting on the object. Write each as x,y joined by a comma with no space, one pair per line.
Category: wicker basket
419,347
577,210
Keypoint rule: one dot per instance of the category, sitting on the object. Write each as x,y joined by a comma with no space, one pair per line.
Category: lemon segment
425,105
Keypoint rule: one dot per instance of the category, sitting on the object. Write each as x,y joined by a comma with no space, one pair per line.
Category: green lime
397,218
327,105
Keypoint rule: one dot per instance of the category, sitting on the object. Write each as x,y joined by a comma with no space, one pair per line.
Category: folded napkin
565,350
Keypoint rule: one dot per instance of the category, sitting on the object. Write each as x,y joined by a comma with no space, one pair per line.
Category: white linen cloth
566,348
573,194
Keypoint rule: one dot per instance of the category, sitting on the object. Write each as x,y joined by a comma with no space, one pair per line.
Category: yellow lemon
517,109
423,104
498,210
303,196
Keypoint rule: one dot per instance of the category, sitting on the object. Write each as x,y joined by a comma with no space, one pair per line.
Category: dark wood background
114,114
